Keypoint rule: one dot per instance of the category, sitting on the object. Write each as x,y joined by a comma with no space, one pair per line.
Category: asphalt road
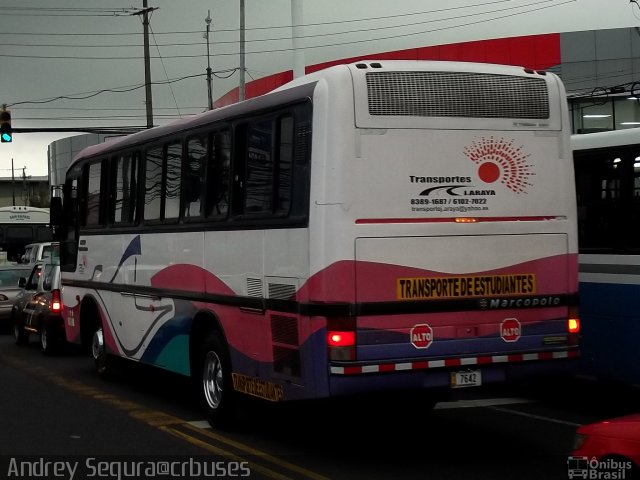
57,406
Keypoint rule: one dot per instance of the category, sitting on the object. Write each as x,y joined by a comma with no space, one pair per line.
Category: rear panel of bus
444,224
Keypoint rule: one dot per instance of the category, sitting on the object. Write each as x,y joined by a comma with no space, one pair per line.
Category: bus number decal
472,286
257,388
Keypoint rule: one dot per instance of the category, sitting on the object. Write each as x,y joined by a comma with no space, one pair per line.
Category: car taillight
56,302
341,338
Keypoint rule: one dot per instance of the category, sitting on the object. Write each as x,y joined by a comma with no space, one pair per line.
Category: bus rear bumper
368,378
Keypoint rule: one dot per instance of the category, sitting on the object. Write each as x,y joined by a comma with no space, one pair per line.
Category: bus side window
126,188
194,171
93,199
172,179
218,175
260,167
284,165
153,184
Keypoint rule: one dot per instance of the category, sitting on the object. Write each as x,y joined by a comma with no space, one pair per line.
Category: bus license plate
468,378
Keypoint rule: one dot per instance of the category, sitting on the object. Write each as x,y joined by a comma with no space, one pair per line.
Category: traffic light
6,134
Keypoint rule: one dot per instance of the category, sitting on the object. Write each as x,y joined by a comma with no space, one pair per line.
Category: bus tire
99,353
214,382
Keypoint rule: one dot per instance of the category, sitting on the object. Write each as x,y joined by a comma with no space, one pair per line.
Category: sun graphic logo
500,160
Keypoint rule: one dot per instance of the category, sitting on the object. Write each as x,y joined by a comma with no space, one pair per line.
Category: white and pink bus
392,226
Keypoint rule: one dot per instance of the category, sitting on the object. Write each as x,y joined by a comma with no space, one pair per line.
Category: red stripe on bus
545,355
484,360
452,219
352,370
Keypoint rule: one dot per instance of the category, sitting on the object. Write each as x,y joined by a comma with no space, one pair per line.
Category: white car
35,252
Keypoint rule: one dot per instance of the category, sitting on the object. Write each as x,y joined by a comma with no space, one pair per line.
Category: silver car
9,278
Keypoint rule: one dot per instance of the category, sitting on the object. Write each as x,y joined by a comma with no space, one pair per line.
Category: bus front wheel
216,390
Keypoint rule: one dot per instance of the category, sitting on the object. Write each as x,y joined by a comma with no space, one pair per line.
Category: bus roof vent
457,94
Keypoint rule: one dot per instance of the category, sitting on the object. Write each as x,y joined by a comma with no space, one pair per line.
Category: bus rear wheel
99,352
215,386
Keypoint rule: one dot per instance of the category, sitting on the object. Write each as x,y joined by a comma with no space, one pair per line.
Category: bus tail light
573,326
56,302
341,338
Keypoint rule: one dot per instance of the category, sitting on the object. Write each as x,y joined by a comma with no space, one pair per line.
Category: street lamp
209,80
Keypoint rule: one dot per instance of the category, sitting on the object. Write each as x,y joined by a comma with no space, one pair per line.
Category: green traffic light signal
6,133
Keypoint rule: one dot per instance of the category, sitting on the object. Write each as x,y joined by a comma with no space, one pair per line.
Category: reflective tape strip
452,362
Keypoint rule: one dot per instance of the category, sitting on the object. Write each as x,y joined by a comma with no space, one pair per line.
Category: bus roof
24,214
194,121
613,138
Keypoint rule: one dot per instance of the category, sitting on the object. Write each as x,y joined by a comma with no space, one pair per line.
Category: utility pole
242,66
25,190
209,79
298,55
147,66
13,183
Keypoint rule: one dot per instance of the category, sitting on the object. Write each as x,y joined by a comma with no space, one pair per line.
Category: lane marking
536,417
481,402
199,424
252,451
224,453
168,423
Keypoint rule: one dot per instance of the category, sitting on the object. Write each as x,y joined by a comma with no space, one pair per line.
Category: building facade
24,190
600,70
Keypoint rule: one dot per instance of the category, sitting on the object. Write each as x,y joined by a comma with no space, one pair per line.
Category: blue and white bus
607,167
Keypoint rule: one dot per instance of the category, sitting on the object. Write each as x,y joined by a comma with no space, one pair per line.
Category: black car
38,308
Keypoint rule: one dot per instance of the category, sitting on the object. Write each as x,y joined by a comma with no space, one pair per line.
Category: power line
329,34
165,71
278,26
105,117
391,37
69,9
102,109
124,89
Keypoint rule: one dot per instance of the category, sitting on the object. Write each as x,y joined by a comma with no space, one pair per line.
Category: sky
80,63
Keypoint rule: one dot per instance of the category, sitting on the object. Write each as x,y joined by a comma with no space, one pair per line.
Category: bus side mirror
55,212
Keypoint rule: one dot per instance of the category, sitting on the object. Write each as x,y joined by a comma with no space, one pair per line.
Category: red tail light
573,326
56,302
341,338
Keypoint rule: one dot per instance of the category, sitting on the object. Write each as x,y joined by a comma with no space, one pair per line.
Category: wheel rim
97,345
212,380
16,331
